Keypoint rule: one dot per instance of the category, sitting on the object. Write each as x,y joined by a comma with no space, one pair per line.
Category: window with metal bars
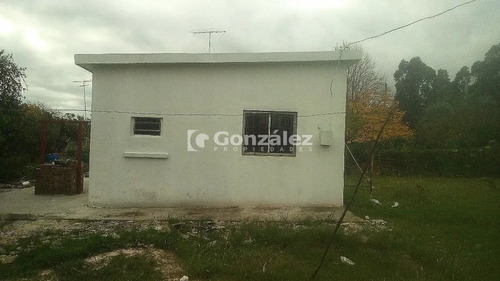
146,126
268,132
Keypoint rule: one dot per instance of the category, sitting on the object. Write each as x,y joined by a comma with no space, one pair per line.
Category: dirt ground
11,231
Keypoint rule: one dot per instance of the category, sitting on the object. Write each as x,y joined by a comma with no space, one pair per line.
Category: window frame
133,127
294,114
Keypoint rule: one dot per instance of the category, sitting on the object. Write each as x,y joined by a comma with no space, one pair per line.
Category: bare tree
366,87
364,79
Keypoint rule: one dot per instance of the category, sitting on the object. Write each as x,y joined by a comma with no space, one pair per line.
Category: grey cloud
68,27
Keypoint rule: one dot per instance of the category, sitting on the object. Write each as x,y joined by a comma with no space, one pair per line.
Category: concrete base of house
23,204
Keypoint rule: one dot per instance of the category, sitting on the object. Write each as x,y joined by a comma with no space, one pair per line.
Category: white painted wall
207,177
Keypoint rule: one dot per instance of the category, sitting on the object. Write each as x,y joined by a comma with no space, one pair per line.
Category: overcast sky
44,35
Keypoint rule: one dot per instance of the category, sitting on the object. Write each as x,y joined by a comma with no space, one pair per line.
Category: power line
347,46
187,114
412,23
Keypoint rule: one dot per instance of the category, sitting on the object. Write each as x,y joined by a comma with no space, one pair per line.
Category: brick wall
53,179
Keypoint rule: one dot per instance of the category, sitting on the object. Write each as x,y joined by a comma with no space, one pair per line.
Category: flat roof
91,61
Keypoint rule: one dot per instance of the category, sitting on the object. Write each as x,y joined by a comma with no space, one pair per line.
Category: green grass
450,226
444,229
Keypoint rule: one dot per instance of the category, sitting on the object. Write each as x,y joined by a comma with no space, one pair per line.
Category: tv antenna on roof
84,85
209,32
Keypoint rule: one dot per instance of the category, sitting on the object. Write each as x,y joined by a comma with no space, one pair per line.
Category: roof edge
90,61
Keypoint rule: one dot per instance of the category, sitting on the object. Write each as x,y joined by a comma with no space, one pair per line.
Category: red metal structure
45,124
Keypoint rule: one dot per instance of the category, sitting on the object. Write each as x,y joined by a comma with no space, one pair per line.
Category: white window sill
151,155
145,136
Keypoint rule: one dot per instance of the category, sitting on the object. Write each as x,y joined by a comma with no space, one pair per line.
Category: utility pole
84,84
209,32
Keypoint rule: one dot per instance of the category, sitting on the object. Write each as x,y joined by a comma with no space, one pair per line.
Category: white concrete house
249,129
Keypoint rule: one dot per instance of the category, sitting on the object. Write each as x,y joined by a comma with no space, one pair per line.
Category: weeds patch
443,229
118,268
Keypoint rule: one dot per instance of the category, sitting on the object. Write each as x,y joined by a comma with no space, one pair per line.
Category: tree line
432,111
444,113
20,126
440,126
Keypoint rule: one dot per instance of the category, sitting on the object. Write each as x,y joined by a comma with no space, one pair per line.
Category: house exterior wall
211,98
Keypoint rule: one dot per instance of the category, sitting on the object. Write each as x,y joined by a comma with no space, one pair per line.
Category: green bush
467,163
15,167
402,161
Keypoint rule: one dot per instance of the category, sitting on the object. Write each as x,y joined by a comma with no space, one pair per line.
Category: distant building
217,129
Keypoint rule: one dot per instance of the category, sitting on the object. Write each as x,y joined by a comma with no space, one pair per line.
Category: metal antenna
84,85
209,32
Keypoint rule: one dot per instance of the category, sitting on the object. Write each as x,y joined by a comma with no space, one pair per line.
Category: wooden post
43,140
371,173
79,183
